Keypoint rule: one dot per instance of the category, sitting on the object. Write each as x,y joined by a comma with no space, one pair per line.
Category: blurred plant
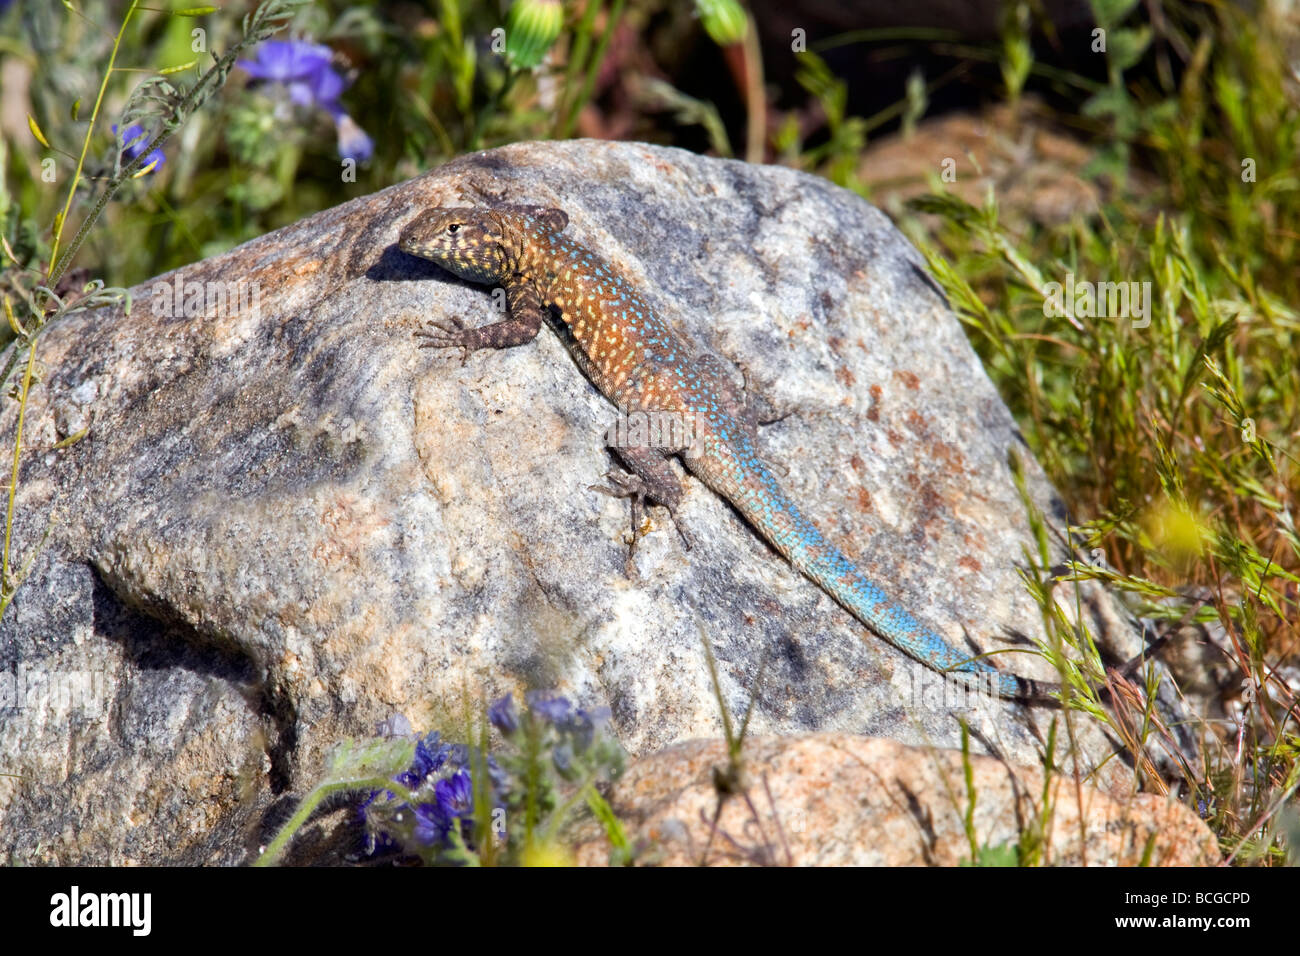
1114,104
1017,53
584,62
466,805
295,73
724,20
687,111
1172,438
840,154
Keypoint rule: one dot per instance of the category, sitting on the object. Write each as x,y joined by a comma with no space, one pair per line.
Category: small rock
841,800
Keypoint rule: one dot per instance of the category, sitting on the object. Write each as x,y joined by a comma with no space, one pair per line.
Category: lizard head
465,241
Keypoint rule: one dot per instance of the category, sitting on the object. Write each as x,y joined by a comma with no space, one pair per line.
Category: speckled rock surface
286,522
841,800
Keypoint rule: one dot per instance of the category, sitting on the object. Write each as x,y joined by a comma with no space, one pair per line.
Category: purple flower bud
353,142
550,706
502,715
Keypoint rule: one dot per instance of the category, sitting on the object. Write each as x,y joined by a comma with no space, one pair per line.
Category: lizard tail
760,499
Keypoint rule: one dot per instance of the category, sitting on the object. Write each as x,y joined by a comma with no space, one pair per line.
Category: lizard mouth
409,242
415,239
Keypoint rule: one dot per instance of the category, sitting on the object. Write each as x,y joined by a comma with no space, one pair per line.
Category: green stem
577,56
560,813
490,108
755,100
53,276
305,810
313,800
7,587
532,781
593,68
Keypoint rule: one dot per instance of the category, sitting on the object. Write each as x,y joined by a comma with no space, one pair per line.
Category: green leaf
352,762
19,331
1125,47
73,438
1108,102
948,205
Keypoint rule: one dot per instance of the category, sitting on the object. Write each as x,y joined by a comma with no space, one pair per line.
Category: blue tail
760,499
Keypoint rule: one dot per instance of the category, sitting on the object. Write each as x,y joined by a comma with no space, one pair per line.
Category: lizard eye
454,228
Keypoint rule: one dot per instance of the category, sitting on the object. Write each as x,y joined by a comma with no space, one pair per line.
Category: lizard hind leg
650,478
744,405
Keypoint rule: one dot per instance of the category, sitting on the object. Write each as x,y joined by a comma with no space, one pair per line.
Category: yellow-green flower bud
531,30
724,20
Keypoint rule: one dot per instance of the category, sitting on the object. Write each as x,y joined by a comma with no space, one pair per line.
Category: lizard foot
448,333
758,409
483,192
635,489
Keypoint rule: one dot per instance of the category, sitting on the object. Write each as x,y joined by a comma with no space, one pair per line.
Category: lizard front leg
526,314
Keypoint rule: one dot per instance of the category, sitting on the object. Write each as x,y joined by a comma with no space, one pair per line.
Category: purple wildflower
453,800
430,755
431,824
395,725
585,725
297,66
377,841
562,757
498,777
303,70
353,141
134,140
455,794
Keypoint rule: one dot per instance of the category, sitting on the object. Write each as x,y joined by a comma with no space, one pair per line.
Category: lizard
641,364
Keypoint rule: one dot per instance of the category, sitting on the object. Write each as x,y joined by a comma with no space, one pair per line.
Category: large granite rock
286,522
